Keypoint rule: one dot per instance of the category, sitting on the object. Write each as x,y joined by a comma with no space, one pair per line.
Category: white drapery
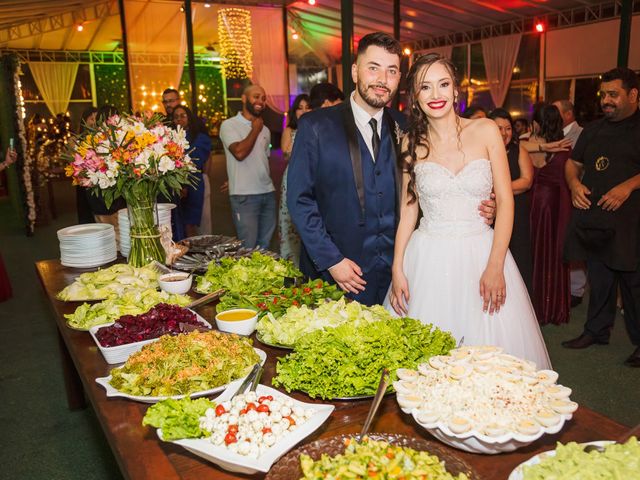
161,26
269,61
500,55
55,82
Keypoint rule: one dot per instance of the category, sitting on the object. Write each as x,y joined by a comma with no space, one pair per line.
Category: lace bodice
449,202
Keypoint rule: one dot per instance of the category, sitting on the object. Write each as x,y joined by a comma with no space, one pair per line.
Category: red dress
550,214
5,284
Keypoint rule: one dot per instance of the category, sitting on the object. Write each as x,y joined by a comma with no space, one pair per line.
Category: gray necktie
375,138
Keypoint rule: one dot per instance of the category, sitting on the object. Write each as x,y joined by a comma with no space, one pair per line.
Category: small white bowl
175,282
241,327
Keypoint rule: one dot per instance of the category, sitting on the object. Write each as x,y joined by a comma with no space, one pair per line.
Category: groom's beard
374,100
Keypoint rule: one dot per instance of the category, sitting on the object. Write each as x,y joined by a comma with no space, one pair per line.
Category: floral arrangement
135,158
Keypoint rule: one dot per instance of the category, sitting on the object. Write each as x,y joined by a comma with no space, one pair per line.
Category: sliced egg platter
484,393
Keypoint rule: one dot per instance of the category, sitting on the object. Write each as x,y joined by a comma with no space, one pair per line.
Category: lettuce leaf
345,361
178,418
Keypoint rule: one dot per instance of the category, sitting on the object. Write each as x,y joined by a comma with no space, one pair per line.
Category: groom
343,189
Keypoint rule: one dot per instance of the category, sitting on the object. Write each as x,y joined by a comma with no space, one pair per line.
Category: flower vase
143,226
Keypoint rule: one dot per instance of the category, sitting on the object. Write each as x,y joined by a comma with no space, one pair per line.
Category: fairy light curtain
55,81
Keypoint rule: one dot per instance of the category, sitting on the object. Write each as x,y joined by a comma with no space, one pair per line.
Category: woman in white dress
454,271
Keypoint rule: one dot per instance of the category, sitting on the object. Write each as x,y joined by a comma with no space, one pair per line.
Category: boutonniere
399,133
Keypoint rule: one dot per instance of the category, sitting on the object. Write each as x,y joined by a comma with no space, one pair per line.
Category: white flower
143,157
166,164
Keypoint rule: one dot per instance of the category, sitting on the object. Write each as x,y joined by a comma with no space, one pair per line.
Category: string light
407,51
295,35
311,2
234,34
80,27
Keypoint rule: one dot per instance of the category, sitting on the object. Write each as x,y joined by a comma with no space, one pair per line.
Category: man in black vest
605,226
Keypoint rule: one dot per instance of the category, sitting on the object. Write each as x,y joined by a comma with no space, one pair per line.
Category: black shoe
634,359
583,341
575,301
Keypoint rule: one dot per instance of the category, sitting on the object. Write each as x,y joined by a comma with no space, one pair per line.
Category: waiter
605,225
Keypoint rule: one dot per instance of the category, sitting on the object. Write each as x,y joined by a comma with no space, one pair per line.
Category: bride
454,271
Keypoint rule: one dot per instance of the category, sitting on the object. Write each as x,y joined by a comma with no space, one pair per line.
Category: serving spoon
385,378
621,439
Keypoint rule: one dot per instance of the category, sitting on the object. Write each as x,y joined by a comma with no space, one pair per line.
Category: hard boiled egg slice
563,406
405,387
428,417
547,418
409,401
438,362
460,371
406,374
547,377
459,425
558,391
494,430
527,427
425,369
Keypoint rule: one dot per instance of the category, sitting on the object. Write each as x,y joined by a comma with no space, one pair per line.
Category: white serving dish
518,472
120,353
234,462
177,286
112,392
239,327
477,442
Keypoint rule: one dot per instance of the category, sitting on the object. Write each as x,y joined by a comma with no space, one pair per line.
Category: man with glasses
170,100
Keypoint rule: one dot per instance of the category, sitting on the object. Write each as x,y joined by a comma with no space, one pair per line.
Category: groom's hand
348,276
488,209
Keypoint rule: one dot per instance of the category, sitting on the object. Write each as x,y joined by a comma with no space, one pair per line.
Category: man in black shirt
605,225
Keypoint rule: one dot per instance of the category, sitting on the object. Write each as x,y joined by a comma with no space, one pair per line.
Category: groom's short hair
379,39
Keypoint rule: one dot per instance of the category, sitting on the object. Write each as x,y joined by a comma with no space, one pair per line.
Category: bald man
246,142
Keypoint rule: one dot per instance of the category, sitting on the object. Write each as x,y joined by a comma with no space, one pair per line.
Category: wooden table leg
73,385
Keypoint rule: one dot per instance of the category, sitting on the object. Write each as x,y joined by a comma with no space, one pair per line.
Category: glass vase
143,225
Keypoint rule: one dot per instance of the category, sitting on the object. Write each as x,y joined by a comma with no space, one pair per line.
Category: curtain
151,28
500,54
269,61
55,82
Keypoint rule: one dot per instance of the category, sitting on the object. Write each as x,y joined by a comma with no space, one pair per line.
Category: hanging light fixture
234,35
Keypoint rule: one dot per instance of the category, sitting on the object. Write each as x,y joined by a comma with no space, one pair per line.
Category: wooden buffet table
141,455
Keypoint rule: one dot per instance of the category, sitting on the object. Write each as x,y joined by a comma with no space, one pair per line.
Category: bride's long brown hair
418,124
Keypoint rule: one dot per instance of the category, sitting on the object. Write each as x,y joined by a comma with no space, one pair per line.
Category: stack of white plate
86,246
164,218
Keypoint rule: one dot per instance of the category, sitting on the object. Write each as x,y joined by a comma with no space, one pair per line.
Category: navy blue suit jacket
323,197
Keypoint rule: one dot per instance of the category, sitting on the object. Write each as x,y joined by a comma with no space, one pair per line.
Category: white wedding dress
446,257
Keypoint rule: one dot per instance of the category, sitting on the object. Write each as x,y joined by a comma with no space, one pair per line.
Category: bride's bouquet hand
399,296
493,289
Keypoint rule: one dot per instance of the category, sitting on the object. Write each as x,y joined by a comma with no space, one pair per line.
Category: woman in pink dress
550,213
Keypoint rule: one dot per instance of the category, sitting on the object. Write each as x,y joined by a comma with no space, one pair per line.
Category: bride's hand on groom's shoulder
399,296
492,289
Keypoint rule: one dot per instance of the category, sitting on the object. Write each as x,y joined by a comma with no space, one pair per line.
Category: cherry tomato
220,410
230,438
263,408
265,397
319,284
266,430
262,306
243,411
294,291
275,300
306,290
292,422
295,303
233,429
251,406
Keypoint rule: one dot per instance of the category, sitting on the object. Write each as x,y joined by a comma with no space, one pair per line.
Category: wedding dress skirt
447,255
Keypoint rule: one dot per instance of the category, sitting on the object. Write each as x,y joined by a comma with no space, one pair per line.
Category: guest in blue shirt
193,196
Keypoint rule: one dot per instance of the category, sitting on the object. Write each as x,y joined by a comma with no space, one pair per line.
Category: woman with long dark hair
521,170
454,271
192,203
550,214
289,238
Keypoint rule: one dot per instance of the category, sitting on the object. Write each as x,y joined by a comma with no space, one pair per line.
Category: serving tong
251,381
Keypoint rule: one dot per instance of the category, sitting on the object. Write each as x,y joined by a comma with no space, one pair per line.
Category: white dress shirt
362,119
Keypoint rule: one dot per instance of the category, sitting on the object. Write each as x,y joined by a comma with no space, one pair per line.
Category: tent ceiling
48,25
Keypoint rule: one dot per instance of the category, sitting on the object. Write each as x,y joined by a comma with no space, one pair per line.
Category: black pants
604,282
